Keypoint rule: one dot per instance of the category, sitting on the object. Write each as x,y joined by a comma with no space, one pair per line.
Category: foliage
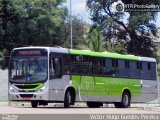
118,48
29,22
158,62
95,41
36,23
136,35
1,59
79,32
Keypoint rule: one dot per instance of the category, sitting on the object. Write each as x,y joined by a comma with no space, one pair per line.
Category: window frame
103,63
51,57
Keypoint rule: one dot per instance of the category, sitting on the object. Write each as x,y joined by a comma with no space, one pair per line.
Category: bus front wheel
34,104
67,99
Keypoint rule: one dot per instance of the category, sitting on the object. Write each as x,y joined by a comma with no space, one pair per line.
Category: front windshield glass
29,69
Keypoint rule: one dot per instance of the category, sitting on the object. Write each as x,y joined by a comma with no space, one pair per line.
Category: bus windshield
28,69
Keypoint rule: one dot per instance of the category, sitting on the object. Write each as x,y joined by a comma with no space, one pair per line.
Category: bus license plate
25,98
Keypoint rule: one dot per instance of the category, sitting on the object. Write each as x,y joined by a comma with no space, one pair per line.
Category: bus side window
133,71
109,71
51,69
96,66
103,68
115,67
55,68
153,71
123,71
146,73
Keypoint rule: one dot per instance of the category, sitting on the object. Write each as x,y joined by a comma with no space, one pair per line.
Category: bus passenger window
123,68
149,66
146,73
133,71
127,64
51,69
115,67
55,68
153,71
96,66
110,70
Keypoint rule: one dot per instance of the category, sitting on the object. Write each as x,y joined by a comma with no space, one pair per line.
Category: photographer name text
124,116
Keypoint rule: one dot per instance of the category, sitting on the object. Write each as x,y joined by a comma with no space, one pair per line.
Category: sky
79,8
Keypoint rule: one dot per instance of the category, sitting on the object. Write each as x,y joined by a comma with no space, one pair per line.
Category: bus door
55,75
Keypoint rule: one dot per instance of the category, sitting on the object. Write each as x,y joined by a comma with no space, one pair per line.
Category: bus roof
111,55
104,54
30,47
92,53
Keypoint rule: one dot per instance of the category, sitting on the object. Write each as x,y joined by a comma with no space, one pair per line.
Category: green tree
94,42
30,22
79,31
136,35
118,48
1,59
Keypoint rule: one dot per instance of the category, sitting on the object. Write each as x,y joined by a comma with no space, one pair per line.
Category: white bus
48,74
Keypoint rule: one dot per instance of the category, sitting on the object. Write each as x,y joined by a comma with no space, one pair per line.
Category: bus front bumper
28,96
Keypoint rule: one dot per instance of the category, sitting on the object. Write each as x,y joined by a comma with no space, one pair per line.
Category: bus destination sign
31,52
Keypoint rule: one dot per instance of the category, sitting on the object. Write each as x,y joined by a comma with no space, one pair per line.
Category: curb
155,109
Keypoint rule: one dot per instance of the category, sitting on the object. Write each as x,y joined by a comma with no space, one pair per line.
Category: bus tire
67,99
94,104
125,101
34,104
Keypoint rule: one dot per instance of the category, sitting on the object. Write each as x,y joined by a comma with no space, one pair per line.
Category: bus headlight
12,89
42,89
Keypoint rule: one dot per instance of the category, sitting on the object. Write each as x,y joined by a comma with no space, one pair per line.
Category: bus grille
26,90
26,95
26,86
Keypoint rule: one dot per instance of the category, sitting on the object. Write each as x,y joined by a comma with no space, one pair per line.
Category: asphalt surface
77,109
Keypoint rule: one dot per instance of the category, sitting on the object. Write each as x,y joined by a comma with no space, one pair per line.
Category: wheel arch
127,90
73,92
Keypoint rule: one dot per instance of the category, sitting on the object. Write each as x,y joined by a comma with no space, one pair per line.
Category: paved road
58,109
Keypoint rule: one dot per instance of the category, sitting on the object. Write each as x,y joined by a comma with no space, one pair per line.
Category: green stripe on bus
104,54
34,89
106,86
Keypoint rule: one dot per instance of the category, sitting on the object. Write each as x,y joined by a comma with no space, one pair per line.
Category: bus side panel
149,89
57,88
83,86
76,82
132,85
116,86
105,89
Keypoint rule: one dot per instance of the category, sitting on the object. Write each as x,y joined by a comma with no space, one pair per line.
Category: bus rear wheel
34,104
94,104
125,101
